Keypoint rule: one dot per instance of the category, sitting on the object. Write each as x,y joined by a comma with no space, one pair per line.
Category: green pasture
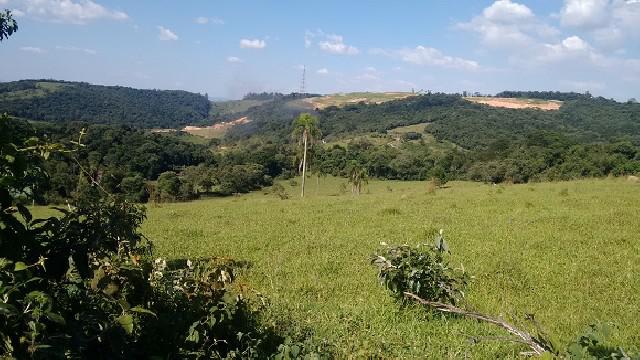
568,252
569,257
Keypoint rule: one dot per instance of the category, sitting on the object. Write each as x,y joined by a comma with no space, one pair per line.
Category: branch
537,348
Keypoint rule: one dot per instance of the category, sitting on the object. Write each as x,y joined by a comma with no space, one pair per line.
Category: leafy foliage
591,345
8,25
423,270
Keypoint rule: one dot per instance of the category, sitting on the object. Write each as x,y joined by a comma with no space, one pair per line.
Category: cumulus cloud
234,59
508,24
252,44
609,22
335,44
330,43
77,49
68,11
585,13
165,34
32,49
322,71
507,11
572,46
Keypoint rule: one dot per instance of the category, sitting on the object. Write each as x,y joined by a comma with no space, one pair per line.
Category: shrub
423,270
279,191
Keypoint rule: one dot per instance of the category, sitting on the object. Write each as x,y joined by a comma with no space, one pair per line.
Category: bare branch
526,338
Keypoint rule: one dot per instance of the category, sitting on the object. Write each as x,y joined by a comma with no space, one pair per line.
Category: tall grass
570,260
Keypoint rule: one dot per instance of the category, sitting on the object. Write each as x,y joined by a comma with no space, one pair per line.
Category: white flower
189,264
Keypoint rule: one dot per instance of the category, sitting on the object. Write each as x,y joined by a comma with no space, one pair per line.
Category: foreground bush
86,285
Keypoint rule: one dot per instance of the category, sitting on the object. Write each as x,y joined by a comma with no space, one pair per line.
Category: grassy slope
355,97
571,259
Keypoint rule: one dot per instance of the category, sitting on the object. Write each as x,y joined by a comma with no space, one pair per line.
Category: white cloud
202,20
74,48
252,44
508,24
335,44
322,71
234,59
166,34
422,55
69,11
32,49
507,11
584,13
429,56
330,43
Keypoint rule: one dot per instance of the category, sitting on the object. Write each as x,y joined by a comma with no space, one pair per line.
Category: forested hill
62,101
476,126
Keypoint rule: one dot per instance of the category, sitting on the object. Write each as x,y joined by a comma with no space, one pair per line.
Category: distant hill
63,101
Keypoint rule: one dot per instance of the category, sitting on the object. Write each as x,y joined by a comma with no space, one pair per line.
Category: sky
228,48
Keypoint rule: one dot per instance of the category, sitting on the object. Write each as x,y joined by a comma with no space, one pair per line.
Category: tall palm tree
306,130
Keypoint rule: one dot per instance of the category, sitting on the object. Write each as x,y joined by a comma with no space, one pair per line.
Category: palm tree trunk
304,161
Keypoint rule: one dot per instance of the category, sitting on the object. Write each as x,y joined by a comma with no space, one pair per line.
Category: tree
358,176
7,25
305,128
168,185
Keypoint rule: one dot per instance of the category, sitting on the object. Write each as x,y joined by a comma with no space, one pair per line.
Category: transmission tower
302,84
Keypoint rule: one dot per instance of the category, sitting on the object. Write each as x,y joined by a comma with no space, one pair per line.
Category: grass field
570,257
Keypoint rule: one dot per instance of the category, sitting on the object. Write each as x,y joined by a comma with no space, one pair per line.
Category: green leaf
56,318
7,309
142,310
194,336
25,213
20,266
126,322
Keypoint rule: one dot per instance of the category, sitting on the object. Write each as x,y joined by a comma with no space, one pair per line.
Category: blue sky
227,48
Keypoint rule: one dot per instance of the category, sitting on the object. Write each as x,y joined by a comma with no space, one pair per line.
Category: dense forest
61,101
140,165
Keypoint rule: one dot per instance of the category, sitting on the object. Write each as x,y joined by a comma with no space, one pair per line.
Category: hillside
62,101
341,99
517,103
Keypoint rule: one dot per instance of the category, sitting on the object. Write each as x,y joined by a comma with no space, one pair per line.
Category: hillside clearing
352,98
215,131
515,103
529,247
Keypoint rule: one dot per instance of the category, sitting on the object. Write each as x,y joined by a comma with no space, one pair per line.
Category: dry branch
537,348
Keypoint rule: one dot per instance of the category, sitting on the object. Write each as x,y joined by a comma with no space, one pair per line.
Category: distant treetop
545,95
